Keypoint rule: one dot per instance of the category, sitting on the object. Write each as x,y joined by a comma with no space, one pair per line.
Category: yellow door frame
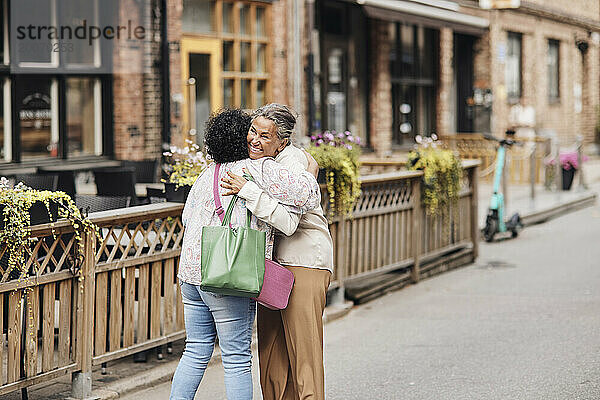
211,47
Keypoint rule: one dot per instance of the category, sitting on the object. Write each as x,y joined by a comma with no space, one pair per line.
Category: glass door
335,82
201,81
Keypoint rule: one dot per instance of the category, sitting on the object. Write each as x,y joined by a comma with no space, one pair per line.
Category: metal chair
66,180
39,182
116,182
91,203
145,171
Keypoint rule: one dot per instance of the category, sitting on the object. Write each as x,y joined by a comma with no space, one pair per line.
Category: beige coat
303,240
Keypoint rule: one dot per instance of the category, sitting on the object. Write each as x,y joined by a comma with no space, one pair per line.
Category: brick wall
380,95
128,92
174,11
152,85
588,9
281,35
137,87
561,117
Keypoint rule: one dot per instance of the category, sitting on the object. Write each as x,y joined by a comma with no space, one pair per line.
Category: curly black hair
225,135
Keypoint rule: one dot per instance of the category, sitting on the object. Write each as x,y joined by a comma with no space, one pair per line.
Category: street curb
537,217
164,373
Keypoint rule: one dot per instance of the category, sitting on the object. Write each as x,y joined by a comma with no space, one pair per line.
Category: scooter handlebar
490,137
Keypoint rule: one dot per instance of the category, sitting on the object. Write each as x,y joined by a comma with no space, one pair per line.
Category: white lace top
298,191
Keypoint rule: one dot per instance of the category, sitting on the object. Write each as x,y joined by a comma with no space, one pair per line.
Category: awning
435,13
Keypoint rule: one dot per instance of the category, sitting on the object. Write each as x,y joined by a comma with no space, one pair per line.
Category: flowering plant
567,160
331,138
442,174
185,164
338,155
15,205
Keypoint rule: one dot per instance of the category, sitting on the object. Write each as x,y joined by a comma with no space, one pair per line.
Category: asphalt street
521,323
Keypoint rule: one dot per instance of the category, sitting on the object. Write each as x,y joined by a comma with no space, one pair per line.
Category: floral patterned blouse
297,190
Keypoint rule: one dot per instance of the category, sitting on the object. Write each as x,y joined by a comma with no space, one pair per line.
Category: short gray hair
282,117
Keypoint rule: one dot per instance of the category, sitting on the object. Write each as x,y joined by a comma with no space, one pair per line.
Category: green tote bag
233,259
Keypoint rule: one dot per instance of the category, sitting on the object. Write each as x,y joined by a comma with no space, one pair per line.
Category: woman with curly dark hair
207,314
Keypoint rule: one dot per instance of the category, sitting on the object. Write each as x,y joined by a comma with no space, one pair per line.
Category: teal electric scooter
494,221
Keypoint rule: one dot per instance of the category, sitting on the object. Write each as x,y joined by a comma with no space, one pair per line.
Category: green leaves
342,176
442,175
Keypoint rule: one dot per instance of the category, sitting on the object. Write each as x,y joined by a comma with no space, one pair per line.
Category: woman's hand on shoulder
233,182
313,166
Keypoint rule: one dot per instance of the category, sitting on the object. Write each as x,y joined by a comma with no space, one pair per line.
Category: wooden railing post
474,209
342,264
417,218
82,379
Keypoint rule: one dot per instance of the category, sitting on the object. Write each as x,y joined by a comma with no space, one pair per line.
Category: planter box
322,176
177,195
567,178
38,213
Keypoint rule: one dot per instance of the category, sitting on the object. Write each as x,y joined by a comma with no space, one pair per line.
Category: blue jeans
207,315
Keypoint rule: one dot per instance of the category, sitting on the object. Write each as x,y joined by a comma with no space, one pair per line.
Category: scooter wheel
491,227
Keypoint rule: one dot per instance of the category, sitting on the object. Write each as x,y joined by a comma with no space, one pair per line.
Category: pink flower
568,160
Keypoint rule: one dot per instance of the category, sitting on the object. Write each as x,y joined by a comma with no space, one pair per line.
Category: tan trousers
290,341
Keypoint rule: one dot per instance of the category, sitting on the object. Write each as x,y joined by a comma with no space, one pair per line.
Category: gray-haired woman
290,341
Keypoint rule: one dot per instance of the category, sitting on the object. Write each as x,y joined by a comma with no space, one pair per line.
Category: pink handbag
278,281
276,287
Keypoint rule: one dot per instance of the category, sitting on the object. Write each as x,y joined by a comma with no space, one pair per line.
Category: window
198,16
414,81
242,27
84,128
74,13
52,85
512,72
38,117
247,71
4,59
5,138
553,70
34,48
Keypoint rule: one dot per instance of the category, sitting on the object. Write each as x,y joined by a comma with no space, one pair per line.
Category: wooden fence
124,297
520,159
519,162
389,230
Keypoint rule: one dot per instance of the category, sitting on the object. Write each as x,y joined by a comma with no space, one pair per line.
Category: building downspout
297,74
310,68
165,74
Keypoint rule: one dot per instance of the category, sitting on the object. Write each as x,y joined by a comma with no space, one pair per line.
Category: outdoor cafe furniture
146,171
116,182
66,172
90,203
39,182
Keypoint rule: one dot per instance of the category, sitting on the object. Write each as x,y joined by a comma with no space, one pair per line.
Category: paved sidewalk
546,203
124,376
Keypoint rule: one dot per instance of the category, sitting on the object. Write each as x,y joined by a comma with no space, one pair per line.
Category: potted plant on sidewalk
183,167
338,157
569,163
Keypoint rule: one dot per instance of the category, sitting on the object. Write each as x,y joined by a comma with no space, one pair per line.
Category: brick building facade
572,27
467,91
387,70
